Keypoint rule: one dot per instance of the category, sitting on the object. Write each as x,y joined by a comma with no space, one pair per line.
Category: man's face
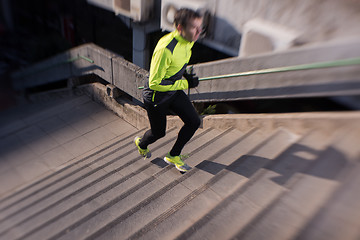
192,30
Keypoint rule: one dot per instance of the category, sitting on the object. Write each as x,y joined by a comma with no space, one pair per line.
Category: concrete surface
36,140
69,170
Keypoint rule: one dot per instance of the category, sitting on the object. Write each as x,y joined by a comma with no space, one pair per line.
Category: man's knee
195,124
160,134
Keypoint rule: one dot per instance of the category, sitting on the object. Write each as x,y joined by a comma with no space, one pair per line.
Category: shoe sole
170,163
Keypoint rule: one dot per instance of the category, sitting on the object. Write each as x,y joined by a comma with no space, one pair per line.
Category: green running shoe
143,152
177,162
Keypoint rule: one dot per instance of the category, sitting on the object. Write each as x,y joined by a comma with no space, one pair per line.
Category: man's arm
160,62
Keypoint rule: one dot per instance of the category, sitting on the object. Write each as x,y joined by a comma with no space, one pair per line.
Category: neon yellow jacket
168,64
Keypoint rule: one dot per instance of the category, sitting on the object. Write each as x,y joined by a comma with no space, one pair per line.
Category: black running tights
180,105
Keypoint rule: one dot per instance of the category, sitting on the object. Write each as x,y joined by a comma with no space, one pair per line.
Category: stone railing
332,81
84,60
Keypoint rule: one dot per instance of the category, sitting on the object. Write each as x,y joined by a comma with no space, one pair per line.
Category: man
164,90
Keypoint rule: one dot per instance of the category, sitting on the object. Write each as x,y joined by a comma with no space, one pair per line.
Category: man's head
188,23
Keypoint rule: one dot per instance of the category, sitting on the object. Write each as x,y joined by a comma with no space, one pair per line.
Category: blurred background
31,31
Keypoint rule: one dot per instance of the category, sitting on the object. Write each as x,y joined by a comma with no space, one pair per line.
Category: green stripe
329,64
338,63
77,58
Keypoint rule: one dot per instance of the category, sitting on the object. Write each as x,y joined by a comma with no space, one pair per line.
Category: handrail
328,64
79,57
117,71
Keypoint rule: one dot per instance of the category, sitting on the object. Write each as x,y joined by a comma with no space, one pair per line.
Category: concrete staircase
246,183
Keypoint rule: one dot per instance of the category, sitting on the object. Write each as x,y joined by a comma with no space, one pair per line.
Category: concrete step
61,186
224,158
262,189
64,171
24,115
65,176
51,137
115,176
240,174
179,192
340,218
202,197
83,178
246,182
152,189
308,193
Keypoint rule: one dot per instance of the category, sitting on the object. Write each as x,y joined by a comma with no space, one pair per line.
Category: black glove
192,79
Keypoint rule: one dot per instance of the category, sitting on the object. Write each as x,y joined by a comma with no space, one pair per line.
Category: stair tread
196,184
339,219
133,182
241,181
16,118
141,195
173,185
47,129
98,173
220,225
307,194
58,180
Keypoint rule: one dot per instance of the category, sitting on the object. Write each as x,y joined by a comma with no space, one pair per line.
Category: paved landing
37,139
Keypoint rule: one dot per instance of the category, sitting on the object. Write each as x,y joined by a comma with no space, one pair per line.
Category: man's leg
182,106
157,119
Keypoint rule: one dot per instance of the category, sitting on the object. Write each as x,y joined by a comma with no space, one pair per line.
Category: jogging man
164,90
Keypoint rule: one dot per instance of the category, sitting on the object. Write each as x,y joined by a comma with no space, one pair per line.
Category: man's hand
192,79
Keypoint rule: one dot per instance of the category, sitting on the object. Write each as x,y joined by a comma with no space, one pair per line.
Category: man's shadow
159,162
327,163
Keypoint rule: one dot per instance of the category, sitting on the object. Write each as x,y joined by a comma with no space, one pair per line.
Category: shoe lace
179,159
184,156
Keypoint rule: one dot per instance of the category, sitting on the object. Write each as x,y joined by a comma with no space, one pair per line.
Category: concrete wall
336,81
107,65
305,83
128,77
138,10
66,65
246,28
315,20
299,22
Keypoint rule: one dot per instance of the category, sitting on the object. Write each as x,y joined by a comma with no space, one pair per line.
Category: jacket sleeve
160,63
